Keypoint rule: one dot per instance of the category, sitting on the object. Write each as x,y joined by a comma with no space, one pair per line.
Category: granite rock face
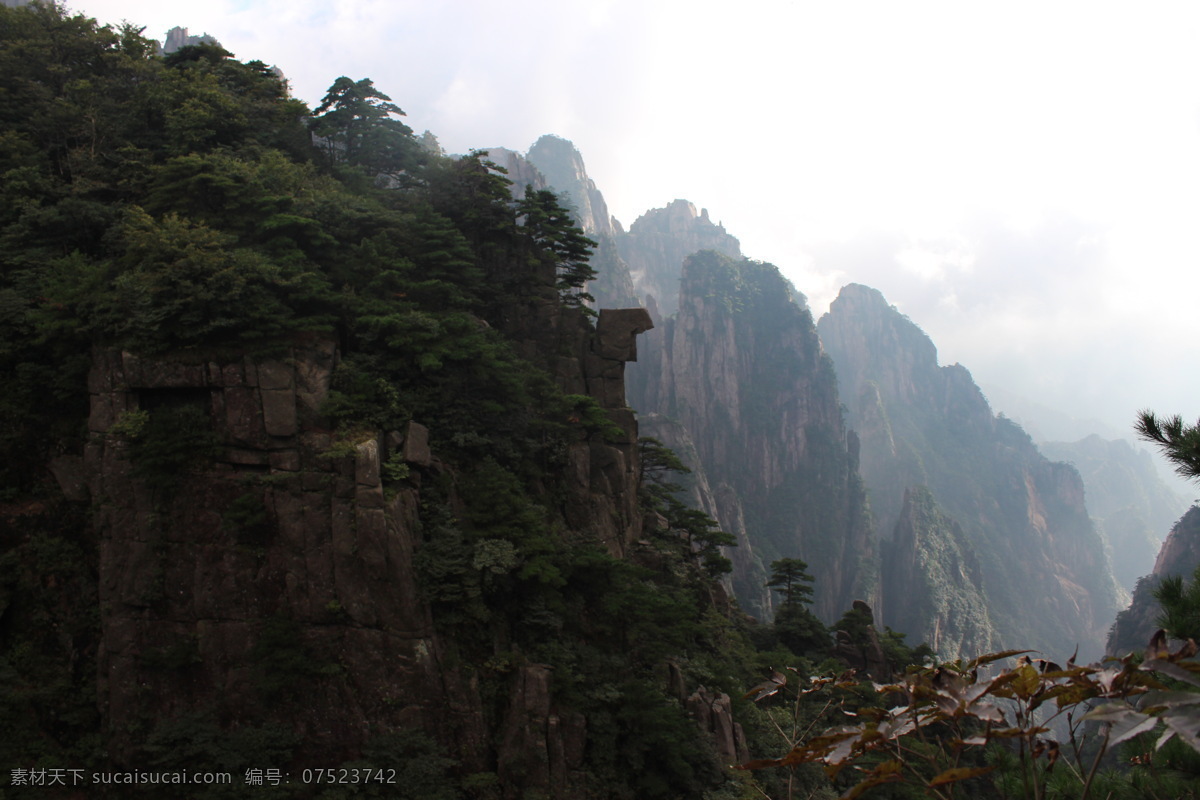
1179,556
714,716
562,165
933,581
282,566
1131,505
564,171
520,170
658,243
1023,540
740,375
327,551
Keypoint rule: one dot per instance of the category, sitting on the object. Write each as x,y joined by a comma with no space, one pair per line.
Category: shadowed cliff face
1041,565
1180,555
740,371
272,530
932,580
275,576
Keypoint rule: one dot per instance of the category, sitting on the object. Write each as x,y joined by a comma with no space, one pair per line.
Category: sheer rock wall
740,373
289,546
1042,566
1179,555
658,243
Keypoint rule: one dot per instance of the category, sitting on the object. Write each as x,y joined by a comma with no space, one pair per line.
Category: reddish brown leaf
887,772
990,657
768,687
959,774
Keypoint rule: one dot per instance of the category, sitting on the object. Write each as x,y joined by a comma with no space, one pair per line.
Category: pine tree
552,228
1180,606
356,122
1179,443
796,627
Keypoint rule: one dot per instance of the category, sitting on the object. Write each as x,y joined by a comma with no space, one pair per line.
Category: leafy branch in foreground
933,738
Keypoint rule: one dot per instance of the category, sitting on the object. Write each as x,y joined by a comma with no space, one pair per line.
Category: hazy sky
1021,179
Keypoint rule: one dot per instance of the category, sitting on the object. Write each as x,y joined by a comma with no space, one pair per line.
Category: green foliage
651,744
178,204
738,286
659,494
789,577
355,121
796,627
48,623
130,424
359,399
174,440
553,230
198,743
394,469
499,507
800,631
587,412
247,518
1180,605
899,654
1180,443
422,771
181,284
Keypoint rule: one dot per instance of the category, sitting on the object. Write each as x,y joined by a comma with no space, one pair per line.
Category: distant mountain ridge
978,540
1132,507
740,373
1042,569
658,244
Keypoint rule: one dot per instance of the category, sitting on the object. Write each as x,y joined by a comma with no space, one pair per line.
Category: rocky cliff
658,243
741,377
638,267
554,163
950,482
1130,504
562,165
313,458
289,559
1040,564
1179,556
706,387
563,169
932,579
518,169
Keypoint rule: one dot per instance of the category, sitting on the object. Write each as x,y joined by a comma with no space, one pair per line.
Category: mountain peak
562,164
658,243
